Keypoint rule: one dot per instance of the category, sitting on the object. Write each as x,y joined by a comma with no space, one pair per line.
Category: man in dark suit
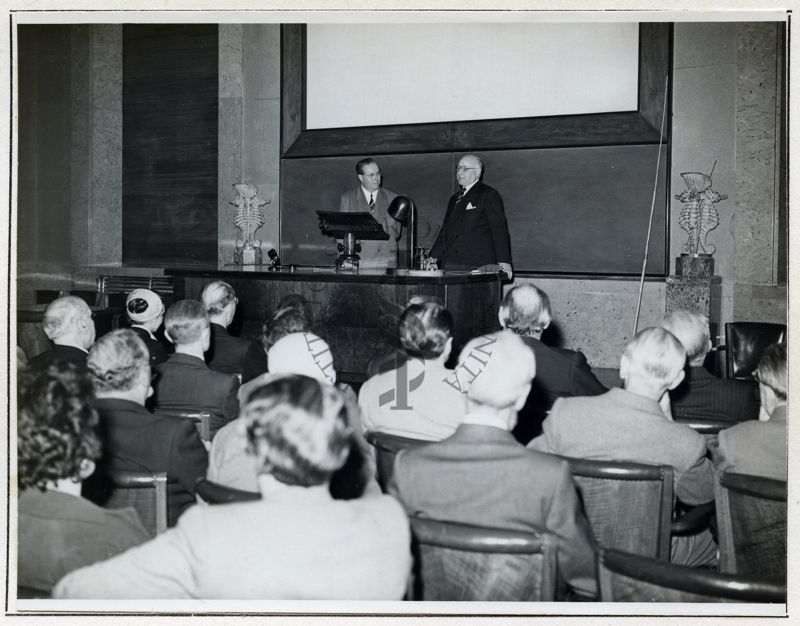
480,475
560,373
185,383
134,439
69,325
701,394
372,198
229,354
474,232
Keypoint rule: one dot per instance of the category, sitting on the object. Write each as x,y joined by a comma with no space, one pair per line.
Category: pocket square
470,207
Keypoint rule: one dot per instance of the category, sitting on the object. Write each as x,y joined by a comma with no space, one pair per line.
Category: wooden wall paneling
170,130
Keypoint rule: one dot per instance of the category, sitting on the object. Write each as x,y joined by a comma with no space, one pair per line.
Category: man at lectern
474,232
372,198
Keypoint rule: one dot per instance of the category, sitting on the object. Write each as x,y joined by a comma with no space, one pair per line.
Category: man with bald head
481,475
628,424
69,325
474,233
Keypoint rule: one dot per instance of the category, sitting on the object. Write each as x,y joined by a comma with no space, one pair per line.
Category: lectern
350,228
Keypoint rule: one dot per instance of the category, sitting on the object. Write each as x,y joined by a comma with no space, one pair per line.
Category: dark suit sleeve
188,459
230,409
255,362
576,543
440,243
495,213
582,380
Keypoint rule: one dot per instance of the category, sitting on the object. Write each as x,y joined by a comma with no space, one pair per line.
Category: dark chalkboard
569,210
170,95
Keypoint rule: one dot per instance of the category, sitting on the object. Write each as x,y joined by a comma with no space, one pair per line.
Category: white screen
373,74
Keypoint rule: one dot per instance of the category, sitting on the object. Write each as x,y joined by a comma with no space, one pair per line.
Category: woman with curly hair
56,448
296,542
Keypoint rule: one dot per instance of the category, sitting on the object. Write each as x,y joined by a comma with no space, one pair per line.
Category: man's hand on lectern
506,267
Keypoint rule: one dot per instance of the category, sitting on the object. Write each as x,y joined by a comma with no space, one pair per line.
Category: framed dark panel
170,100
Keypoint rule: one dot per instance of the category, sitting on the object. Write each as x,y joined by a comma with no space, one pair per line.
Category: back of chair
214,493
201,420
745,342
629,505
751,524
144,491
386,447
623,577
459,562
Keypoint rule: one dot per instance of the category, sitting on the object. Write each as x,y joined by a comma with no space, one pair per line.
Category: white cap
149,308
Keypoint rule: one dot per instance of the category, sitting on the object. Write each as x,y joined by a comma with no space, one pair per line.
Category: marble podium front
356,313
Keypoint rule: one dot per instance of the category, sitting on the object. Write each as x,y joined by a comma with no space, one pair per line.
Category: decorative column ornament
698,218
248,218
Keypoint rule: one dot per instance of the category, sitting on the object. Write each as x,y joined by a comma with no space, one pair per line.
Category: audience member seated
69,325
416,400
296,542
134,439
229,354
628,424
759,447
481,475
560,373
145,310
702,395
283,321
58,531
307,355
185,383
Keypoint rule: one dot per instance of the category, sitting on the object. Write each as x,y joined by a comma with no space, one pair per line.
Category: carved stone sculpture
698,218
248,218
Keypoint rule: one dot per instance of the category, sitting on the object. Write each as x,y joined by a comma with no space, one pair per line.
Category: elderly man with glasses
759,447
474,233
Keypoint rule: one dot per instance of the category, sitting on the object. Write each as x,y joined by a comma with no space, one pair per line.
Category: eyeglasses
372,175
461,168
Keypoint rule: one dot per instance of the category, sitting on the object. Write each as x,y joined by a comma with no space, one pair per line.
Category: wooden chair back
460,562
386,448
628,505
201,420
624,577
146,492
751,525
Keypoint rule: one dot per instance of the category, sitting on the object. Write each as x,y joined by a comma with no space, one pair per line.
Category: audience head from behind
426,330
68,322
56,441
284,321
692,330
652,363
497,371
186,325
772,378
296,427
525,311
119,367
220,301
144,308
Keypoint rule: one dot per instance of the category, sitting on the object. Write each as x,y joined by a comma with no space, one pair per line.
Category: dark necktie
460,195
371,202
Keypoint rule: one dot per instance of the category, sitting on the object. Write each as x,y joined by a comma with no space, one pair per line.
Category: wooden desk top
329,274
